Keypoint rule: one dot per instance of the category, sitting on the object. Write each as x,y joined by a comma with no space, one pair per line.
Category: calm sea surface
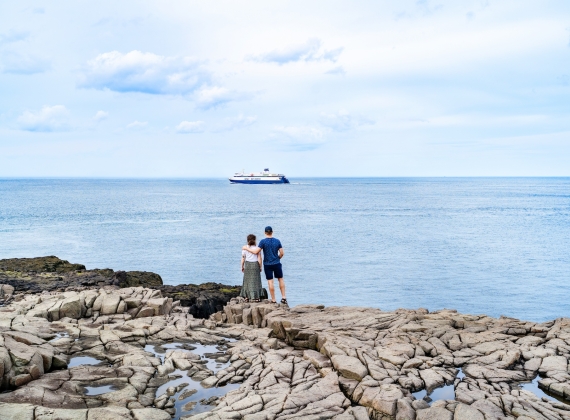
480,245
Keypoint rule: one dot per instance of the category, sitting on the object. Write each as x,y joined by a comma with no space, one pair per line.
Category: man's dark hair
251,239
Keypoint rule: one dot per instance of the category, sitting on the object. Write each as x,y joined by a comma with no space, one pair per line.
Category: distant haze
319,88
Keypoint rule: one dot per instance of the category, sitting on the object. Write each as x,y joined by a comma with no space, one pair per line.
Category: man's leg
282,288
272,289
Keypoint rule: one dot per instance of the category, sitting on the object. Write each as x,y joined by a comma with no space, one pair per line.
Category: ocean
496,246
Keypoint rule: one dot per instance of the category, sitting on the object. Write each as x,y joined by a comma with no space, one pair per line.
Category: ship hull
259,180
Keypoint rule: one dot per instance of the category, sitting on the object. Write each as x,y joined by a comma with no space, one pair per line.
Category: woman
251,269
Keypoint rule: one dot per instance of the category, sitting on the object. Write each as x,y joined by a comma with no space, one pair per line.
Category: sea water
479,245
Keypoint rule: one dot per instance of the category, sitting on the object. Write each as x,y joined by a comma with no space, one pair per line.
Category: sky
305,88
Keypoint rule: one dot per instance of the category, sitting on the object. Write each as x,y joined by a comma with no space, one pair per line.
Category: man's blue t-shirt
270,247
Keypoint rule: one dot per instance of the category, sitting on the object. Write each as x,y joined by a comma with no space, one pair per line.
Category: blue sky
320,88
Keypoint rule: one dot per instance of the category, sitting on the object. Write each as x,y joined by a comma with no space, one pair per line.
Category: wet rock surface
380,359
146,357
107,332
37,275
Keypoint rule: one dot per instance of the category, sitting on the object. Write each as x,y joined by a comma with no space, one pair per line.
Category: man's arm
255,250
281,253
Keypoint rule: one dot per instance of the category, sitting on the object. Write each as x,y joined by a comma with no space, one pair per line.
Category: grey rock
108,413
150,414
553,363
71,307
44,413
432,379
466,412
434,413
405,411
349,367
110,304
17,411
317,359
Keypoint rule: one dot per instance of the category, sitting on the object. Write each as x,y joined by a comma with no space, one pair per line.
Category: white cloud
190,127
300,138
150,73
15,63
238,122
137,125
100,116
13,36
312,50
214,96
336,70
49,118
343,121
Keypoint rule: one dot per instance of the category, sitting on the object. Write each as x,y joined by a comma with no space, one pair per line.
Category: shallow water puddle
59,335
98,390
188,398
446,392
541,393
84,360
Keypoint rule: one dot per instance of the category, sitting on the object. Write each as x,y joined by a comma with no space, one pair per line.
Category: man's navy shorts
276,269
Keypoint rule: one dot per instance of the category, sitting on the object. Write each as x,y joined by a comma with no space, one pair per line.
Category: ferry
264,177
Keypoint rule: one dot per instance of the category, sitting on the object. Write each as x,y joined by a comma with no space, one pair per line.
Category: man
272,254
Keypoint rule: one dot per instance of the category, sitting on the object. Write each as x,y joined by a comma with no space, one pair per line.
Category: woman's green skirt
251,288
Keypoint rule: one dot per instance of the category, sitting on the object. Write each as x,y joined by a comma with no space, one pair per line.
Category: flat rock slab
349,367
17,411
466,412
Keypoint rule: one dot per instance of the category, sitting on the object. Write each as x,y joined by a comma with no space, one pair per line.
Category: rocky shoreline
270,361
37,275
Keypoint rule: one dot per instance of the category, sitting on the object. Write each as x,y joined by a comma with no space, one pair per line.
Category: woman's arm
260,262
242,263
254,250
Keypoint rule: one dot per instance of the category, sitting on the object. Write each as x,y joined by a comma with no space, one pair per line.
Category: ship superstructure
264,177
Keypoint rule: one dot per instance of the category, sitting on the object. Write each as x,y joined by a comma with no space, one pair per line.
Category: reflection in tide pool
98,390
540,393
59,335
84,360
190,394
446,392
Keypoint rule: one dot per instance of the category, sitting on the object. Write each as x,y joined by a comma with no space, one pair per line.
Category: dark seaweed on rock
49,264
202,299
36,275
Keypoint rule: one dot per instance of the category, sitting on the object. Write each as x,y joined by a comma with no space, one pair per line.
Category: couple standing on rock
252,265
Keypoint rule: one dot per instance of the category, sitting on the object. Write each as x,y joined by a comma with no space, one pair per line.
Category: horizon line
3,178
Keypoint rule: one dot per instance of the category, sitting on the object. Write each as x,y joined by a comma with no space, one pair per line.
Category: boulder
434,413
43,413
16,411
150,414
553,363
25,338
466,412
349,367
317,359
71,308
159,305
432,379
108,413
383,398
20,353
145,311
110,304
405,411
